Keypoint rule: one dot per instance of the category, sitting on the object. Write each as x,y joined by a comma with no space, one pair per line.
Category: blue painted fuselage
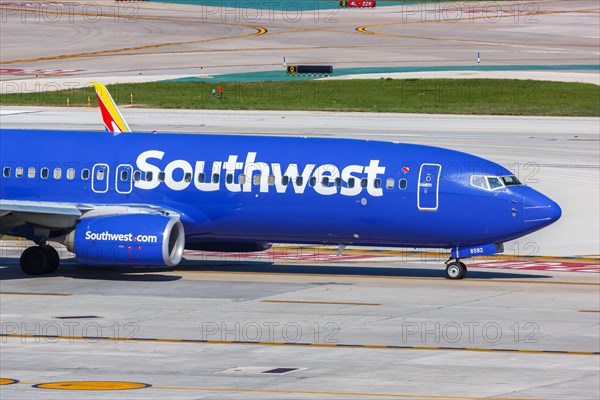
280,189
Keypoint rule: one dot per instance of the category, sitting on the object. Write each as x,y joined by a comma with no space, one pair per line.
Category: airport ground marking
364,29
442,279
259,31
416,253
118,385
320,302
92,339
92,385
332,393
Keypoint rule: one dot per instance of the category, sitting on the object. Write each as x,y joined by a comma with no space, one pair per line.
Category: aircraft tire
464,269
456,270
53,259
35,261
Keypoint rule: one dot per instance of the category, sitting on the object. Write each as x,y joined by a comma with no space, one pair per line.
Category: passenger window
494,182
215,178
338,182
242,179
299,181
161,176
201,177
364,182
57,173
19,172
389,183
377,183
31,172
351,182
149,176
6,172
44,173
256,179
71,174
85,174
402,183
137,176
325,181
312,181
229,178
124,175
479,181
100,175
187,177
285,180
271,180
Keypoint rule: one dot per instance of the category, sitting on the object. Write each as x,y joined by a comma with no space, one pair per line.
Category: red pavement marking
289,255
21,71
541,266
281,256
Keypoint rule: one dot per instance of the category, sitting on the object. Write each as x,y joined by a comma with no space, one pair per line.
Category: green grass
451,96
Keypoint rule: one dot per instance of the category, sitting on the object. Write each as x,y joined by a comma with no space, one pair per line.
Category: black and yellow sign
310,69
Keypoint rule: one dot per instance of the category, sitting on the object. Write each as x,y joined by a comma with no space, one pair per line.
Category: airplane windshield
494,182
510,180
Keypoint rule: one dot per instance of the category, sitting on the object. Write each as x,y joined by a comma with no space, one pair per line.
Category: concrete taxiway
63,45
240,330
302,323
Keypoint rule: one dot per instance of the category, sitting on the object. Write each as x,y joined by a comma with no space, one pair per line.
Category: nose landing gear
455,269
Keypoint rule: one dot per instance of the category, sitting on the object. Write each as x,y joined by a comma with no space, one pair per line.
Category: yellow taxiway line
93,339
35,294
120,385
320,302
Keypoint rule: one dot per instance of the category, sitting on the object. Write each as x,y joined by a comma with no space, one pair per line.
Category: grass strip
440,96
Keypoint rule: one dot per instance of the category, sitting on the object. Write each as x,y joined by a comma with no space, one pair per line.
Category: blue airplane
140,199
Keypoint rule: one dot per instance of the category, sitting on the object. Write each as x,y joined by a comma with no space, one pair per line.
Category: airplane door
429,182
124,179
100,178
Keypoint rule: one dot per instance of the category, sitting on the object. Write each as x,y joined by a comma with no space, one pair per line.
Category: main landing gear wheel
53,258
39,260
456,270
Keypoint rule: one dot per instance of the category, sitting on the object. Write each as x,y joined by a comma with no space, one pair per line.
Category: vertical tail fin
111,116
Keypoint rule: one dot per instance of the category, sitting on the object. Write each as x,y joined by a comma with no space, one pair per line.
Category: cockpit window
479,181
494,182
510,180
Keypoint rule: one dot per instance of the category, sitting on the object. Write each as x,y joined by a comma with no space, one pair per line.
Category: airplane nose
540,210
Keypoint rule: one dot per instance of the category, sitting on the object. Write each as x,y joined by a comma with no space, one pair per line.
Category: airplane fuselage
279,189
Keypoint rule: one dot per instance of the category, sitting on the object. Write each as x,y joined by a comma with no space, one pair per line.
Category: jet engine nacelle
128,239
